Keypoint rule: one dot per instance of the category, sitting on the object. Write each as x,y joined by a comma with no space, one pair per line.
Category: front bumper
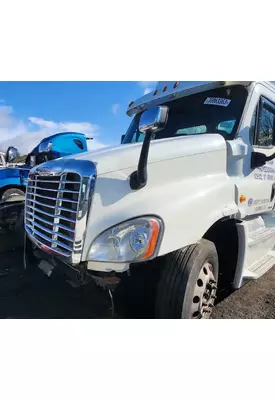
78,275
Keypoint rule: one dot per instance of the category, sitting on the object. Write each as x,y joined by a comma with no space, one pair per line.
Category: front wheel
188,284
11,192
13,218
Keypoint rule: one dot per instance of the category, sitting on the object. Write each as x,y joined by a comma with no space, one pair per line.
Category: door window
265,127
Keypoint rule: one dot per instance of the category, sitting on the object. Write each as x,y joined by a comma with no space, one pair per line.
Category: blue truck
13,176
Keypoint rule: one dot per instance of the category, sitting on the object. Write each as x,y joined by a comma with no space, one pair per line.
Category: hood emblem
44,171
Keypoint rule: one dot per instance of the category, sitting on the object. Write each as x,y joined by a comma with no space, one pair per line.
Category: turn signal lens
242,198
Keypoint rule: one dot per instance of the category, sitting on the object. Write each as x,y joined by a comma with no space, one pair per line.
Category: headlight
131,241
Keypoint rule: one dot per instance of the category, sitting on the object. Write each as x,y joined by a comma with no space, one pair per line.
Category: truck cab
188,198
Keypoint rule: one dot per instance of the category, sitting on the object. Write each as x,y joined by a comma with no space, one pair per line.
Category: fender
10,181
10,177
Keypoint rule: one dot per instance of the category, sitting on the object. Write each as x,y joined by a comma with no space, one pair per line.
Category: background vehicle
2,160
184,206
13,175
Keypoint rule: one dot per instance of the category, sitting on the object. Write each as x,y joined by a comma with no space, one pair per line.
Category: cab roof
61,134
169,90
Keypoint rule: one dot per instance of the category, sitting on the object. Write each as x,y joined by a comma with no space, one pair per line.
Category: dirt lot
32,295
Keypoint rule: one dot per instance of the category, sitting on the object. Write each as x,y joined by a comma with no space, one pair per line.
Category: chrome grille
52,204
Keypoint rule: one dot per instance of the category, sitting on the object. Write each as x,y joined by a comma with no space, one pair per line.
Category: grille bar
47,181
51,241
50,206
49,223
52,198
37,210
48,230
53,190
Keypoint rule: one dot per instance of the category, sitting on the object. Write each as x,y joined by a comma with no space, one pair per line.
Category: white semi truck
187,199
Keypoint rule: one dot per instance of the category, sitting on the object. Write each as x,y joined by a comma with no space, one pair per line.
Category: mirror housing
11,154
154,119
151,121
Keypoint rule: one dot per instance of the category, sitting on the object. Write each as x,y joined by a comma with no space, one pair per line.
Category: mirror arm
259,159
138,178
270,157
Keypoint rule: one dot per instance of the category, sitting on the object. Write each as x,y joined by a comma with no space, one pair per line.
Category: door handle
272,192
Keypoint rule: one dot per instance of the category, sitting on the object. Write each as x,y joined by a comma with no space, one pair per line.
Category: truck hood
126,156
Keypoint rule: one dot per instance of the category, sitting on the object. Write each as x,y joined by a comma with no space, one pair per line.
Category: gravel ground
254,300
33,295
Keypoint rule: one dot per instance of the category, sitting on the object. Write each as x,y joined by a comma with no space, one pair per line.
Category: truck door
256,186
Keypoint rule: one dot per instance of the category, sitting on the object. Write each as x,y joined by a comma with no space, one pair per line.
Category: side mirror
11,154
122,138
153,119
45,147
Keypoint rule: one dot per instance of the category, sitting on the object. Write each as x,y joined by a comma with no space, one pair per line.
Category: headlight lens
132,241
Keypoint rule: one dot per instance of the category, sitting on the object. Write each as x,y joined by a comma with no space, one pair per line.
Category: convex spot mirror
153,120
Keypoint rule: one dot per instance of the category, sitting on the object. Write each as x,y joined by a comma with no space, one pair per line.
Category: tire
188,274
18,225
18,228
12,192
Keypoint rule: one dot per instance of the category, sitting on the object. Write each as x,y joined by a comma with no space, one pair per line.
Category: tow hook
108,282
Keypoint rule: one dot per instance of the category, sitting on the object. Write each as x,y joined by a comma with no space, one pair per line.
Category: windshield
215,111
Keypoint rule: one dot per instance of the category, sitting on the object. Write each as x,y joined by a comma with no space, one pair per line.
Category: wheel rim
204,293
